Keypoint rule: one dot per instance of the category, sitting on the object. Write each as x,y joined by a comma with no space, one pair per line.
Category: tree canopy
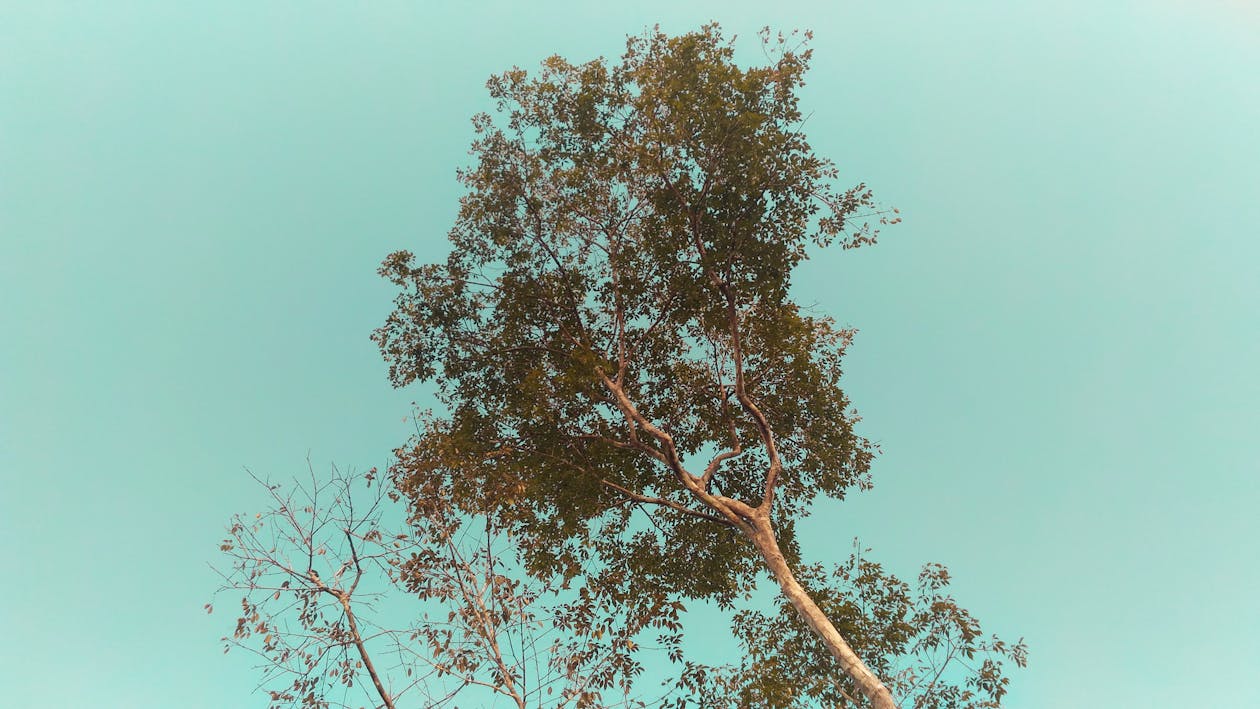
613,327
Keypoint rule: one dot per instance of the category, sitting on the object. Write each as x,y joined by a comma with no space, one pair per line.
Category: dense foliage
627,241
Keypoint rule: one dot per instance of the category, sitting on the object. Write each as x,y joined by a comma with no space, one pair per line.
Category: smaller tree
345,600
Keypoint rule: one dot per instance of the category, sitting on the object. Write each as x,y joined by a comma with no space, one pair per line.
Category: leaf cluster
617,298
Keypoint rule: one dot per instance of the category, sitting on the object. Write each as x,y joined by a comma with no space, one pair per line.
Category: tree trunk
363,653
762,536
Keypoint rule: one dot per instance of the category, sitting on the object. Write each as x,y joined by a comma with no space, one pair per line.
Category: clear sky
1057,352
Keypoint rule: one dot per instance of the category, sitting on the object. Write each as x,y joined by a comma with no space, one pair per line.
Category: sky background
1057,349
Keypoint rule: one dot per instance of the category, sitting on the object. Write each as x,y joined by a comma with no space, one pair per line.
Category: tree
613,332
322,567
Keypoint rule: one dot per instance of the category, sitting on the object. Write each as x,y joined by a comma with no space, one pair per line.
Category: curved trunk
762,536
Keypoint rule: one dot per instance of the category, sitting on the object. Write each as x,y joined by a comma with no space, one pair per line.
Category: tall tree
614,330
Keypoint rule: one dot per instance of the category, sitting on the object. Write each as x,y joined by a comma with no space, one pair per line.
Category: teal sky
1057,352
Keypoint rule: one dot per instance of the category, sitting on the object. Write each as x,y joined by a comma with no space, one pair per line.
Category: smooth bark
357,638
762,536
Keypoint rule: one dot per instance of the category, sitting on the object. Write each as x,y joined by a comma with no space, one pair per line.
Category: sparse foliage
344,606
302,565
